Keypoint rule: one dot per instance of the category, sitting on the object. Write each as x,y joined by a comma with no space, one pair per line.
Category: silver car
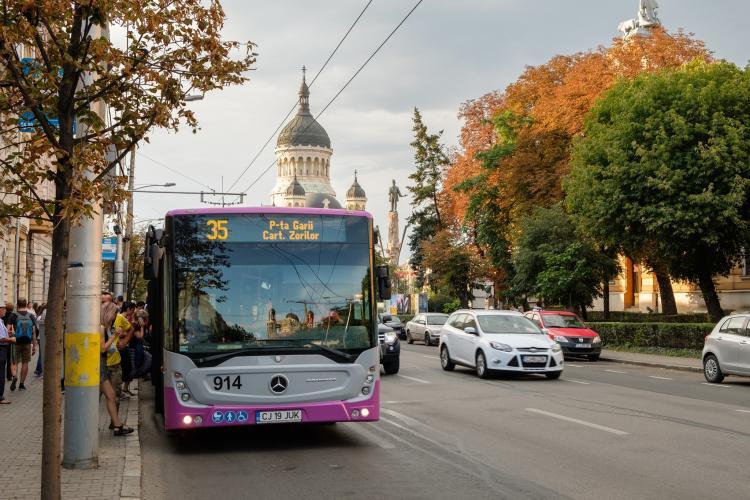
727,348
426,328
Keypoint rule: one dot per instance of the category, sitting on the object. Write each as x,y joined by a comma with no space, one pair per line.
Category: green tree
664,166
137,287
430,160
59,73
553,263
452,270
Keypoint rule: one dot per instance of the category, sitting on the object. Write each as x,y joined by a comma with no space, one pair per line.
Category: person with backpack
25,342
6,341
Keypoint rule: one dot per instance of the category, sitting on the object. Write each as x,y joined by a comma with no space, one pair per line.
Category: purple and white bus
264,315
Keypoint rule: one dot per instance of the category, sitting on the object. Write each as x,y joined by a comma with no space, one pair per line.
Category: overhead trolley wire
270,166
294,106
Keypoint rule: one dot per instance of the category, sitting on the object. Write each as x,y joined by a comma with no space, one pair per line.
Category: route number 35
227,383
218,229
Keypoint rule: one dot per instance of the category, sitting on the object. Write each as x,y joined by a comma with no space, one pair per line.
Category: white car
498,341
425,327
727,349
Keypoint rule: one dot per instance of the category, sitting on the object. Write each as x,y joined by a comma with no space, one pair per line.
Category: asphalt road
604,430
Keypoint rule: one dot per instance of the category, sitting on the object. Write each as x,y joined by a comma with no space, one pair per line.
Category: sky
447,52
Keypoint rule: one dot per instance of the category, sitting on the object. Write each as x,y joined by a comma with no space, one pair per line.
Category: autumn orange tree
550,102
55,68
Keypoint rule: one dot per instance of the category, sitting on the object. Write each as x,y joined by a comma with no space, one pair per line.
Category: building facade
303,164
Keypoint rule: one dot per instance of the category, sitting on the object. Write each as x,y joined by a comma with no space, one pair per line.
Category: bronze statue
394,193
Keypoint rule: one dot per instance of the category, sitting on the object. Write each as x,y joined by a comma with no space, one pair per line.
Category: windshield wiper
226,355
341,354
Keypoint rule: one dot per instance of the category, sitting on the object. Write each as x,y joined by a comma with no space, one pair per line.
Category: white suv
498,340
727,348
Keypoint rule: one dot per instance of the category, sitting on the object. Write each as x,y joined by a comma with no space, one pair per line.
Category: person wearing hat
6,341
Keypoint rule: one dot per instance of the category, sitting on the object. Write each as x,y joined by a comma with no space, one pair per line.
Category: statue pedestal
394,245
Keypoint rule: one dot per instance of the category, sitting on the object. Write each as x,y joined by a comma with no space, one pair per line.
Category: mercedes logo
278,384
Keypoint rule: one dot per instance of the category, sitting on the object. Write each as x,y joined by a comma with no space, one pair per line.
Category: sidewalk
655,360
117,477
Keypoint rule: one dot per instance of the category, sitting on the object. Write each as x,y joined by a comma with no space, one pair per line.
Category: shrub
664,335
637,317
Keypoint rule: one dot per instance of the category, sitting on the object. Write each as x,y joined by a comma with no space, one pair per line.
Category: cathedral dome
303,129
295,188
356,190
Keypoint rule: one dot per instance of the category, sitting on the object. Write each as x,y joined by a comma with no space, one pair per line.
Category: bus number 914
227,383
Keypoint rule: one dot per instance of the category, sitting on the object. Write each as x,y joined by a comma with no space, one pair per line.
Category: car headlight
597,340
501,347
556,347
560,338
390,338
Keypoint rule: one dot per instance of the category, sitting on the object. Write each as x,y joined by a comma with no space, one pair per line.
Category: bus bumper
179,417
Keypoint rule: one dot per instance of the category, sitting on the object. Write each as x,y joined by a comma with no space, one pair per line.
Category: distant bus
264,315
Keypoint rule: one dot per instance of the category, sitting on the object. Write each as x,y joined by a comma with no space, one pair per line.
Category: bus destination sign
292,230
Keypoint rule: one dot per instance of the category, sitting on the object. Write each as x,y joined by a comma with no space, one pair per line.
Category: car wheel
427,339
481,366
391,365
445,360
553,375
594,357
712,370
408,337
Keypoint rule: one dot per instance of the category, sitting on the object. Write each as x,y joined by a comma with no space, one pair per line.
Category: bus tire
391,365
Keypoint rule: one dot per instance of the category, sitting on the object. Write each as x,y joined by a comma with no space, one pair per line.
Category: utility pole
82,328
129,220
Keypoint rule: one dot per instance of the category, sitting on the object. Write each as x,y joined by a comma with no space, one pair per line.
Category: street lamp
166,185
189,98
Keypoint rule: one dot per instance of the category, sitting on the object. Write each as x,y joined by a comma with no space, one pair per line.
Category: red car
567,329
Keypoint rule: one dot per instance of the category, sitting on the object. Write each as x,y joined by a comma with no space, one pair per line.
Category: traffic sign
109,248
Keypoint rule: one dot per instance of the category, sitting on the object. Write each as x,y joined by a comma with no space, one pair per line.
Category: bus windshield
245,286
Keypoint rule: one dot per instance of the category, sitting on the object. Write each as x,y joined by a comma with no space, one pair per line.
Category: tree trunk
54,329
584,313
605,298
668,304
708,289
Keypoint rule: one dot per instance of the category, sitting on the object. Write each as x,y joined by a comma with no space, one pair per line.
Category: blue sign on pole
27,121
109,248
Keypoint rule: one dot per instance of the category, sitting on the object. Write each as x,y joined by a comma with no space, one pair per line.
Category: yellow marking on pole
82,358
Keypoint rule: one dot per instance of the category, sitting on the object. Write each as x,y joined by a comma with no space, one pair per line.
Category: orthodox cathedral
303,164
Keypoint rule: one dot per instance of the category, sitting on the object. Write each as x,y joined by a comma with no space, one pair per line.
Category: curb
654,364
131,474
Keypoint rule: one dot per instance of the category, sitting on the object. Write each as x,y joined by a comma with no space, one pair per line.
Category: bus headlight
365,390
180,385
185,396
370,378
365,412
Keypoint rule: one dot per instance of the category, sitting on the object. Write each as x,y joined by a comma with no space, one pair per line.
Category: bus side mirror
152,253
384,282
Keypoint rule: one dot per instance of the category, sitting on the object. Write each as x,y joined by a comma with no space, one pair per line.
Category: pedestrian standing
119,302
41,317
110,352
124,332
25,342
9,320
6,342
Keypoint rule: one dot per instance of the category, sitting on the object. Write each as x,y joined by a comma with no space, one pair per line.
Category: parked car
495,340
395,323
567,329
726,350
390,349
425,327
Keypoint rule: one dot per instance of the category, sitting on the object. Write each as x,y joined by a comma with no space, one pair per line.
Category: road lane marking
574,366
431,357
371,436
744,411
404,418
718,385
615,371
414,379
580,422
577,381
660,378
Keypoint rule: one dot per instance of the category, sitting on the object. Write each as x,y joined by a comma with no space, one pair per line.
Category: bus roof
269,210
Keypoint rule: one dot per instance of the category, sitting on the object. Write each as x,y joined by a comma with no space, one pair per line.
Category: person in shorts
26,340
9,320
6,342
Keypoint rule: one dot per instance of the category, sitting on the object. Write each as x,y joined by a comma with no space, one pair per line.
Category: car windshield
437,319
507,324
395,320
562,321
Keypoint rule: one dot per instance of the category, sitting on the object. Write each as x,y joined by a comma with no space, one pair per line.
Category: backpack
24,328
